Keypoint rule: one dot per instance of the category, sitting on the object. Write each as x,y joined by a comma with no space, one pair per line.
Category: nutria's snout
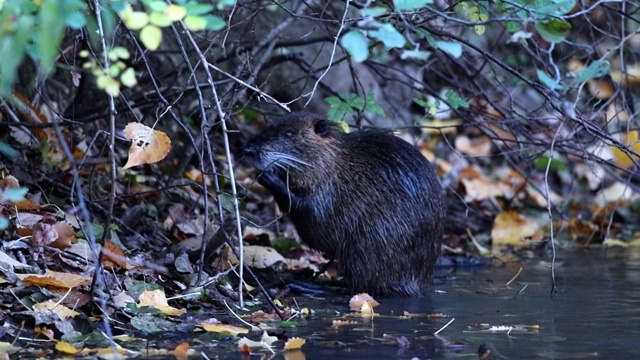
250,150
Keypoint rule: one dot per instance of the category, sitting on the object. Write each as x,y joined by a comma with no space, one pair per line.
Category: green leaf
556,165
194,8
408,5
596,69
157,6
4,222
76,20
9,151
454,100
338,109
452,48
160,19
374,11
554,30
356,44
556,7
222,4
389,35
14,194
215,23
548,81
195,23
151,37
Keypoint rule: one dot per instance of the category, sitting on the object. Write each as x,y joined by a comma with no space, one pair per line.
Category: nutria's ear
321,127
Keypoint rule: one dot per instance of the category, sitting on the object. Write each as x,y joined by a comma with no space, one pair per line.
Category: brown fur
368,199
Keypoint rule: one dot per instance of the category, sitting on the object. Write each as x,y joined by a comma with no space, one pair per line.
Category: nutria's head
294,145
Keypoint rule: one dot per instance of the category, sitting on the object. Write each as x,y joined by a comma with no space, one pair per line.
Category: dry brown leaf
158,300
181,352
148,146
478,146
482,188
511,228
66,235
54,279
114,255
261,257
294,343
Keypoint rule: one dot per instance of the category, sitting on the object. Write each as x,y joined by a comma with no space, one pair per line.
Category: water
596,313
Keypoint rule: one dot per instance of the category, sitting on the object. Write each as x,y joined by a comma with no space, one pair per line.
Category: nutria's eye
288,134
321,127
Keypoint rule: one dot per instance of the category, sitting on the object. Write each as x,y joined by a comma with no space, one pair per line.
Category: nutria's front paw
269,179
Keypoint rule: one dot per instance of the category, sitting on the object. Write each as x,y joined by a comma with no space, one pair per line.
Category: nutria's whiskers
368,199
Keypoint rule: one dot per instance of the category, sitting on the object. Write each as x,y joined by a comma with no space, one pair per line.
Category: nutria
367,198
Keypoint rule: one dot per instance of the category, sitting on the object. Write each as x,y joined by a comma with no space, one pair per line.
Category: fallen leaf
157,299
261,257
55,279
224,328
511,228
66,348
358,301
148,146
62,311
294,343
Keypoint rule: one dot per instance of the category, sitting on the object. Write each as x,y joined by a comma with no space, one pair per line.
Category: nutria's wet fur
367,199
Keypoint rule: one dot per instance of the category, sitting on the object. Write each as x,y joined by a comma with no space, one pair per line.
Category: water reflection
596,313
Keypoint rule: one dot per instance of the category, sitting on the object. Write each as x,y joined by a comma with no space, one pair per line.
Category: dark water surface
595,314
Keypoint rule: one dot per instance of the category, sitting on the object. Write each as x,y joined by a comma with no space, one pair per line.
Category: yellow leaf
54,279
109,85
134,20
195,23
128,78
66,348
631,140
148,146
158,300
160,19
175,12
511,228
224,328
294,343
151,36
62,311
